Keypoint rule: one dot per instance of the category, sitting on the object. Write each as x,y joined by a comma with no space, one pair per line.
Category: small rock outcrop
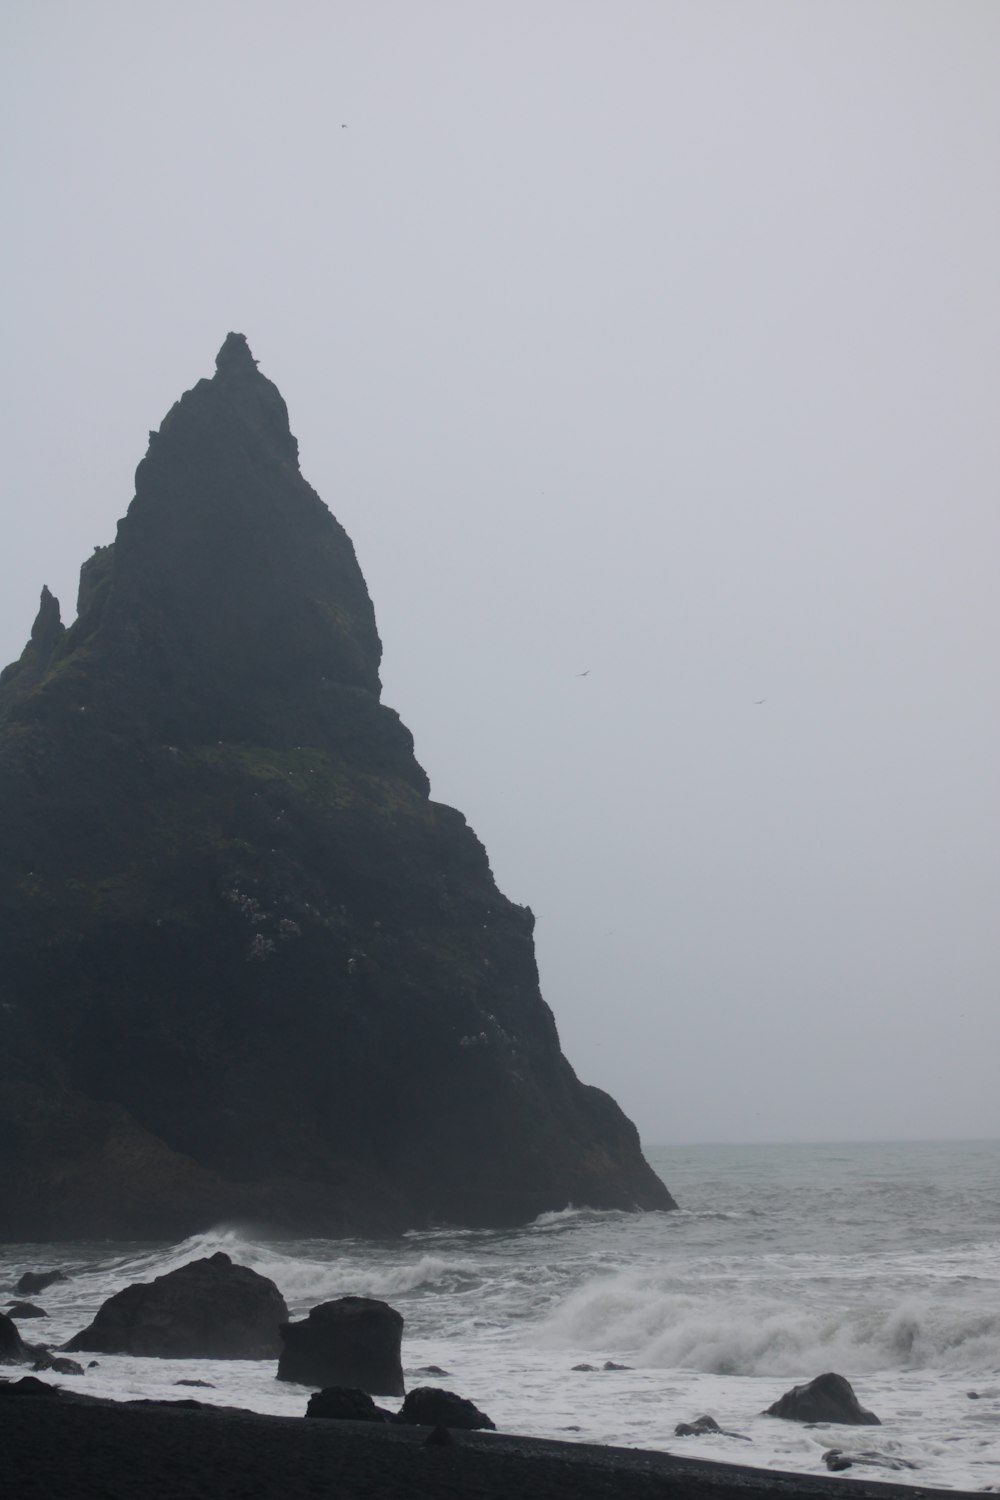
866,1458
426,1406
57,1364
252,971
353,1342
207,1309
828,1398
25,1310
13,1349
346,1404
702,1425
36,1281
28,1385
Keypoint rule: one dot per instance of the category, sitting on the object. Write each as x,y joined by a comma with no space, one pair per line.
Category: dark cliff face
250,970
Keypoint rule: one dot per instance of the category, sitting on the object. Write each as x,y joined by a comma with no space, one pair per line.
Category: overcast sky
658,342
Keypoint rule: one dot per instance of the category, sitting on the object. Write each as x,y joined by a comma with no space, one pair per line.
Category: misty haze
657,343
646,358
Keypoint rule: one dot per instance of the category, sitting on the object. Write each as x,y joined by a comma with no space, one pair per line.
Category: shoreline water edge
603,1331
76,1448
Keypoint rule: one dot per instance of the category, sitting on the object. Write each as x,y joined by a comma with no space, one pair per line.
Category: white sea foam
747,1332
880,1262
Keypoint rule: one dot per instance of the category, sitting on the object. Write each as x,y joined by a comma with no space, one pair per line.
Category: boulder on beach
208,1309
36,1281
427,1406
13,1349
828,1398
346,1404
352,1342
28,1385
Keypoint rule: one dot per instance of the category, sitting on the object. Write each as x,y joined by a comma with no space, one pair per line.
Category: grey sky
659,341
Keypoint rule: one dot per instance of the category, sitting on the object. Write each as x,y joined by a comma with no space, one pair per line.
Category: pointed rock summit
250,970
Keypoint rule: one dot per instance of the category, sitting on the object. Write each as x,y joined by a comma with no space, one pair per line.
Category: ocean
879,1261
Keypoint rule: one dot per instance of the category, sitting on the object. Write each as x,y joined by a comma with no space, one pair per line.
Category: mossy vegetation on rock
250,968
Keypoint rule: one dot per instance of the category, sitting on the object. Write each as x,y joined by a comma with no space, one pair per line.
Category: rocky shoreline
56,1444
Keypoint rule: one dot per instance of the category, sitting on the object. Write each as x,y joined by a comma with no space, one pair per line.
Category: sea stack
251,972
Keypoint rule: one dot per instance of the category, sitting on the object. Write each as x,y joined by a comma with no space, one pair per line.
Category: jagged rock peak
234,357
251,970
48,623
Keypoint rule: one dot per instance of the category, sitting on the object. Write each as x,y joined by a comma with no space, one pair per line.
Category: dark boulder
346,1404
697,1428
352,1342
429,1407
25,1310
702,1425
208,1309
28,1385
57,1364
837,1460
13,1349
36,1281
828,1398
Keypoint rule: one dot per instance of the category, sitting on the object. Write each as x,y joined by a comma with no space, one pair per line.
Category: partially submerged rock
836,1459
702,1425
57,1364
36,1281
828,1398
207,1309
352,1342
25,1310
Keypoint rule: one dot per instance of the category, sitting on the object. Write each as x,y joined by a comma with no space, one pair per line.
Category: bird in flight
758,701
584,674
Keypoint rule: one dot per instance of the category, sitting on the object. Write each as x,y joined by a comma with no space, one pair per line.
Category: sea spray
880,1262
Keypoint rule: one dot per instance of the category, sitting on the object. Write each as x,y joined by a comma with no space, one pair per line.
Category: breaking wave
734,1333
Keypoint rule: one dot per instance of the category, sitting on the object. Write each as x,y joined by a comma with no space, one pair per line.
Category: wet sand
66,1447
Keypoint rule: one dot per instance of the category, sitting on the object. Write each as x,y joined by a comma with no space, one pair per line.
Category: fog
650,355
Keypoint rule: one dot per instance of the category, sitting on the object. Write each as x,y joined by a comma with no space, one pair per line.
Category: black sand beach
69,1448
